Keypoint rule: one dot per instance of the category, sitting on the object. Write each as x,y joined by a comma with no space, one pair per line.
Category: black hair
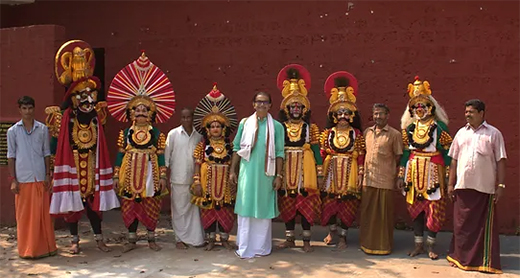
262,94
25,100
477,104
381,106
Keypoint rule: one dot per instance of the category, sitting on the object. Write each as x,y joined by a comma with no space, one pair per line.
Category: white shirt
477,152
179,154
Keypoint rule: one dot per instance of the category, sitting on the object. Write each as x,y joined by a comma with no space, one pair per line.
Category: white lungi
254,237
186,221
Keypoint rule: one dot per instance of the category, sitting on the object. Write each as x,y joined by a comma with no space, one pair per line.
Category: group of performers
323,171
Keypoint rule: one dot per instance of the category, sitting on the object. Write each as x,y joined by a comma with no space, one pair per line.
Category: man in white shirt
180,144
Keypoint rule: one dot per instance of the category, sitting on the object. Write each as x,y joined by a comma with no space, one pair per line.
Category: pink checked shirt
477,152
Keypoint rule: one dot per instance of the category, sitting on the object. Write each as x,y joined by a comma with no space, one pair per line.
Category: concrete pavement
196,262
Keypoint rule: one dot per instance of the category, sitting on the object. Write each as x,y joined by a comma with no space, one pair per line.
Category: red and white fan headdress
141,82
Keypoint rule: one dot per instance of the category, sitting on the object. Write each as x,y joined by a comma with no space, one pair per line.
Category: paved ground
170,262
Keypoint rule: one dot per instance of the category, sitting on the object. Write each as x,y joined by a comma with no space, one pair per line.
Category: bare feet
307,248
154,246
228,245
210,246
181,245
452,264
74,248
129,246
286,244
342,244
329,239
419,249
102,246
431,253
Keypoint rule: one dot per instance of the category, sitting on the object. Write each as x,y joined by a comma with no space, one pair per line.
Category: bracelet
11,179
401,172
501,185
279,176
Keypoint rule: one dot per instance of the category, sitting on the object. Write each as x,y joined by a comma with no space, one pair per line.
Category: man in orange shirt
384,149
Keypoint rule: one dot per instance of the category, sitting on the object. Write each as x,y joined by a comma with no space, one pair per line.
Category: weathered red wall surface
27,68
465,49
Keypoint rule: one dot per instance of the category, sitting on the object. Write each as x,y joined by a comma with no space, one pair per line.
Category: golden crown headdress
341,87
293,81
419,91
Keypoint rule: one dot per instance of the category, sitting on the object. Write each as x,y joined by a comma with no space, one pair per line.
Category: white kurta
186,221
254,237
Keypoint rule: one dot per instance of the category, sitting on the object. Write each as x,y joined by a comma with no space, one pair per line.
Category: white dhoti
185,216
254,237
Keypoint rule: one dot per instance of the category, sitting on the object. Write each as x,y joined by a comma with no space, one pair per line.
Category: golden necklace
421,131
141,135
84,136
219,147
341,137
294,130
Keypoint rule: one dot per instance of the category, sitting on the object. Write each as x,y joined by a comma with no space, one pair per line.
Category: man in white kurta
180,143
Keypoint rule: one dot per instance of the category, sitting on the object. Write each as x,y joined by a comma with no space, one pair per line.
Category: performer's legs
151,241
289,234
342,243
306,226
132,237
74,248
224,238
95,222
333,230
211,234
430,245
418,230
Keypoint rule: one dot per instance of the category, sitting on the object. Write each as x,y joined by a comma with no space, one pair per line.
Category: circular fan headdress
141,80
341,87
215,106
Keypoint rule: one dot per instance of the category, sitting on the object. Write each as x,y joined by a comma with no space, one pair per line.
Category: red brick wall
27,68
464,49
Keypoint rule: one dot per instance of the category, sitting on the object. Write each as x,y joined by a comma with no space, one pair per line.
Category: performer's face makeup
141,114
343,115
295,110
421,111
215,129
85,101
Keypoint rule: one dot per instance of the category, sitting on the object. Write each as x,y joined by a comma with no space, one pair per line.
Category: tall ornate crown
74,67
293,81
341,87
419,91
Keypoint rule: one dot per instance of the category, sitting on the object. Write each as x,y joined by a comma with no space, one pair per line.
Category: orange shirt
382,147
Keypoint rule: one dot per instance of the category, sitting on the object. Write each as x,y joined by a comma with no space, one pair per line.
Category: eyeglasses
262,102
